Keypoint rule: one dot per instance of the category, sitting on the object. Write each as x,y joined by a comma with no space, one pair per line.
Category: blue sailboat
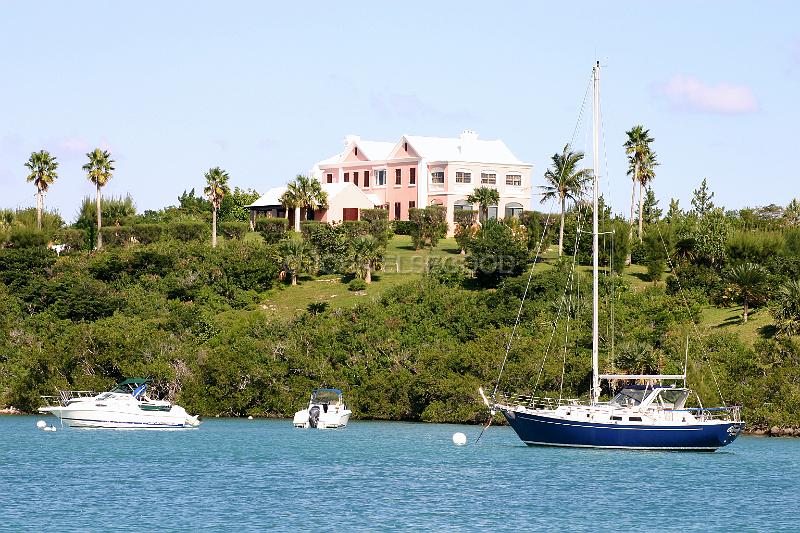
642,417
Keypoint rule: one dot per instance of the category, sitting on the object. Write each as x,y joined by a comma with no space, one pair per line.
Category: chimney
468,135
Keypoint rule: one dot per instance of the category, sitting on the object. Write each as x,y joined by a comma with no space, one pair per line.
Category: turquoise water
240,475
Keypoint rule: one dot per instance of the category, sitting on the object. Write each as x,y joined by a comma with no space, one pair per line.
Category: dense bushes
147,233
74,239
272,229
234,229
188,230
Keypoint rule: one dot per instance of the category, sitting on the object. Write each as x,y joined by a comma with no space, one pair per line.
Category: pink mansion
419,171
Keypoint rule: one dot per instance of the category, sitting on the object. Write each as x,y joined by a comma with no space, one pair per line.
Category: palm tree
42,167
297,257
98,170
641,160
365,253
786,308
565,182
750,283
216,189
484,197
303,193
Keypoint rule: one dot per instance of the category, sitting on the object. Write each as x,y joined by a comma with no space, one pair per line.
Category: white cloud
689,93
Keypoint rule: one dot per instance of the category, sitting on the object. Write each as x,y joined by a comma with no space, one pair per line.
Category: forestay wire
538,252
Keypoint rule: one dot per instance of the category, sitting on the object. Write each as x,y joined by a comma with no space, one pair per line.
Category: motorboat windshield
133,386
323,396
630,396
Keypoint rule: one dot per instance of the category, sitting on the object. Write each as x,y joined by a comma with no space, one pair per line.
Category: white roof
466,147
463,148
376,150
273,196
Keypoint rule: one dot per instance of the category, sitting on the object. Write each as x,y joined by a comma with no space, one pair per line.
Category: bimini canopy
130,384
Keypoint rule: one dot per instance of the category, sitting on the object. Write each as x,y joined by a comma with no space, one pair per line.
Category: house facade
419,171
345,202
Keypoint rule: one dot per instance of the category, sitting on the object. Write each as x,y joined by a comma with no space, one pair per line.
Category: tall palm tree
365,254
98,170
216,189
42,167
484,197
565,181
641,160
750,283
297,256
303,193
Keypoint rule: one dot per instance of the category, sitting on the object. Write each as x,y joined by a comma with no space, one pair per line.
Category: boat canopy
130,384
326,395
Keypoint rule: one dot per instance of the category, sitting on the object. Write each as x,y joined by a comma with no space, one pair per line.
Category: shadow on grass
768,332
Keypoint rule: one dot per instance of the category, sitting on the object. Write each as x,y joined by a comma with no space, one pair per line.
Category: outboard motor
313,416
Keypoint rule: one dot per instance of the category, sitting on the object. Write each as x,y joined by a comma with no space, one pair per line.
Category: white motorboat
126,406
326,410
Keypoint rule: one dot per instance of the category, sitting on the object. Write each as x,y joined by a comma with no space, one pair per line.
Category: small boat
126,406
326,410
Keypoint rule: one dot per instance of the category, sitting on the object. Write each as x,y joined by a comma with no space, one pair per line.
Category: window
412,204
397,210
513,210
437,177
366,178
355,178
489,178
346,176
492,212
462,205
412,176
356,151
514,179
398,176
463,177
330,178
405,147
380,178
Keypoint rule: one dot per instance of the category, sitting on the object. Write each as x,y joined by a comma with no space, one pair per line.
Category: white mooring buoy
41,424
50,428
459,439
250,417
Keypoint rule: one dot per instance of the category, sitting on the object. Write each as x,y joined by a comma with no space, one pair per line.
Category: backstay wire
538,254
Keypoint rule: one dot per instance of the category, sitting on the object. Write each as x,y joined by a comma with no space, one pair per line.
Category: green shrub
22,237
354,228
116,235
403,227
377,224
357,284
75,239
188,230
495,253
331,245
147,233
430,225
447,271
234,229
272,229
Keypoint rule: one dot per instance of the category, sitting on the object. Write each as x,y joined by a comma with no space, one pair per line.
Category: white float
459,439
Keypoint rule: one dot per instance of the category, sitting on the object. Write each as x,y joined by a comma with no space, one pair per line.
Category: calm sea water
240,475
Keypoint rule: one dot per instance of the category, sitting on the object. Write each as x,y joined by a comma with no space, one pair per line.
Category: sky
266,89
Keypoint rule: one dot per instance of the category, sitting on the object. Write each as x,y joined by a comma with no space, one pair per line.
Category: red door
350,213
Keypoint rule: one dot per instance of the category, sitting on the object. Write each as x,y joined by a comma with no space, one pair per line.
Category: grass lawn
402,264
729,319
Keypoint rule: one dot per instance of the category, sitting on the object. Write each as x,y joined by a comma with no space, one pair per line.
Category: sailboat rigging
646,417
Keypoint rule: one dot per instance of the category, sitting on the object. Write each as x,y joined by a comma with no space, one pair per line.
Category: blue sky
266,89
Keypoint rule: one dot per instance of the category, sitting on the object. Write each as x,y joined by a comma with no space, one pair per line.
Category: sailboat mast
595,231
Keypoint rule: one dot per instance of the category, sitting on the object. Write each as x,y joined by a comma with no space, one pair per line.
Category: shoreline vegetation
407,322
